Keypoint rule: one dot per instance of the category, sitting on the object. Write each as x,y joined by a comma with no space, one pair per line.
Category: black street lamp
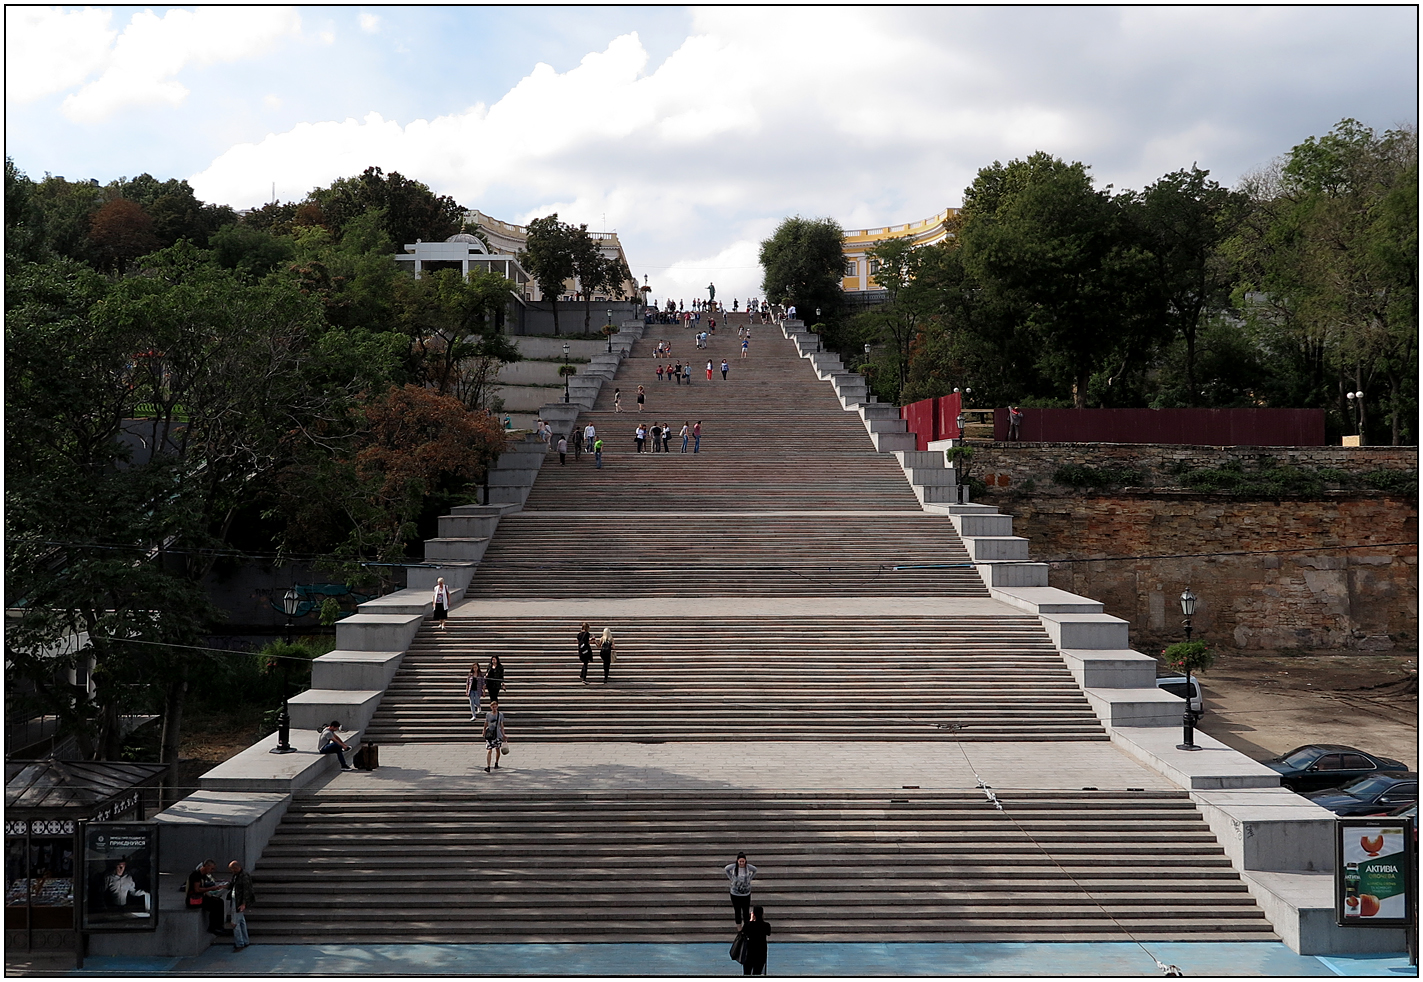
291,603
565,374
1189,717
1356,403
817,333
609,330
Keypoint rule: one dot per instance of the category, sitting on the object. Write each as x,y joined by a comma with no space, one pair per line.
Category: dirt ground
1267,704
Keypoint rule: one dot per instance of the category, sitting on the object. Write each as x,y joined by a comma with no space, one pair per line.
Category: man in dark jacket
202,893
243,896
753,952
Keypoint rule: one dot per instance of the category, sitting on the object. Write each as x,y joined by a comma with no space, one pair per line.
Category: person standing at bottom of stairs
756,934
243,896
740,873
606,651
494,736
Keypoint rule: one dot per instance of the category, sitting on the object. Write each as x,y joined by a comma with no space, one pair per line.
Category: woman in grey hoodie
740,873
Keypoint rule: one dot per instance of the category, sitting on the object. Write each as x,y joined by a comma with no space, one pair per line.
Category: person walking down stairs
494,678
442,602
494,736
474,689
585,651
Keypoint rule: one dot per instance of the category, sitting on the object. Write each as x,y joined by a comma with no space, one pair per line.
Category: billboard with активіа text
1375,859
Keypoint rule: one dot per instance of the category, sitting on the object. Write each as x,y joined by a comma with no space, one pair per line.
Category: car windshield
1368,786
1302,758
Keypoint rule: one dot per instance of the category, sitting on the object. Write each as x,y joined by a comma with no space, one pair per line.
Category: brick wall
1010,465
1326,597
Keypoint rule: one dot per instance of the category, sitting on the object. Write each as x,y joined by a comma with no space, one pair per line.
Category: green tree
1038,237
802,265
24,218
1184,219
410,210
596,272
1329,267
550,257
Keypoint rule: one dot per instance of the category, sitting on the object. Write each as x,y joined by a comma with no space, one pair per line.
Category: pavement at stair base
867,960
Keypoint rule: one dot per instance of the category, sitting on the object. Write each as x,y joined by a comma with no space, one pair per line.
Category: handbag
503,750
738,945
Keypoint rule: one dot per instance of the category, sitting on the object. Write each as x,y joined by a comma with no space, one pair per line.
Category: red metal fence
933,419
1185,427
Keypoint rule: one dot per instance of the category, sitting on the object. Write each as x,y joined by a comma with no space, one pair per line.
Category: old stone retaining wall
1012,465
1350,587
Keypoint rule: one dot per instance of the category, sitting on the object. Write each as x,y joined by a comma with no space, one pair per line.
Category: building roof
73,785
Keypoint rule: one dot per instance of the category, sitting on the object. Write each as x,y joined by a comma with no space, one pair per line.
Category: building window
874,266
852,268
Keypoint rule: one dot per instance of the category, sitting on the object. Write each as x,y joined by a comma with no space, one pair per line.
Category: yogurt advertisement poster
1376,861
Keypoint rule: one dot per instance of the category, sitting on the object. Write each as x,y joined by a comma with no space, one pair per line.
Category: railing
933,419
1179,427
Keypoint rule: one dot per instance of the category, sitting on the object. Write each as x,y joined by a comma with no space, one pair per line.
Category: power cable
1170,971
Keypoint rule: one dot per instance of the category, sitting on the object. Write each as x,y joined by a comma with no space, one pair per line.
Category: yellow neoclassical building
859,282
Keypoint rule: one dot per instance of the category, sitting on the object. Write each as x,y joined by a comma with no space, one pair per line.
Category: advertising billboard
120,876
1373,872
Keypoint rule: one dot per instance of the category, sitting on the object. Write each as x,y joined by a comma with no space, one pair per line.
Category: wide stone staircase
826,554
961,678
514,866
782,588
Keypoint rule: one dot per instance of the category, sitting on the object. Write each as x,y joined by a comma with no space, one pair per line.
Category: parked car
1369,795
1176,685
1328,765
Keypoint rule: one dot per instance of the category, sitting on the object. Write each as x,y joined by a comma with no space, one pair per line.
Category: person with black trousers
494,678
606,651
585,651
756,932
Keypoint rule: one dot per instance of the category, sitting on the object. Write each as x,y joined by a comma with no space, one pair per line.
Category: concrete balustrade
360,670
377,632
314,708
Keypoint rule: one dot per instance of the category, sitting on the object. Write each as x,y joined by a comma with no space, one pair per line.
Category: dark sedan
1329,765
1369,795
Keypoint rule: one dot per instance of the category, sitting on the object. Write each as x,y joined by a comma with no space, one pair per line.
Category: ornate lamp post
566,373
609,330
291,603
1188,718
1356,403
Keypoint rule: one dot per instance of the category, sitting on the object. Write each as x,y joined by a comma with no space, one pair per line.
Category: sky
690,131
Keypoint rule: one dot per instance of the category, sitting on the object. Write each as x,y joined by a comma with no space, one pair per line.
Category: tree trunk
587,311
553,303
1079,390
1393,404
173,702
1190,333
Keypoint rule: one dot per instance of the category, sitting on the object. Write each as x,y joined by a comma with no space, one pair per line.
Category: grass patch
1083,476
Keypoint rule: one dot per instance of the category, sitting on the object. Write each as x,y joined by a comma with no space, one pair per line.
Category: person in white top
590,434
442,601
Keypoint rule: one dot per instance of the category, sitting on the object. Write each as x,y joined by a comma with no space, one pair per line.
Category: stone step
983,873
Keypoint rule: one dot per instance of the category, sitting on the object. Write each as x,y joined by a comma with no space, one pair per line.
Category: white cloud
49,50
873,117
143,65
370,23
